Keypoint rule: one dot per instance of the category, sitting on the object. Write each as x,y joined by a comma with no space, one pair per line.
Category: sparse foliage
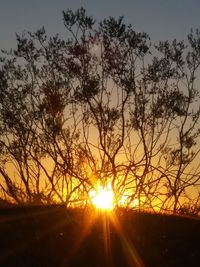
104,106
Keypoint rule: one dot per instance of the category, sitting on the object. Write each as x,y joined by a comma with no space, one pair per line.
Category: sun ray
132,257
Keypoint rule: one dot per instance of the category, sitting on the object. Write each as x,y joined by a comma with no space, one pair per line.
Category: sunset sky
161,19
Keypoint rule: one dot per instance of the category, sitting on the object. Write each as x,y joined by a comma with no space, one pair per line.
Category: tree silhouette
104,106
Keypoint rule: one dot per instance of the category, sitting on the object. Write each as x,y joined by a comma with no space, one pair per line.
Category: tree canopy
103,107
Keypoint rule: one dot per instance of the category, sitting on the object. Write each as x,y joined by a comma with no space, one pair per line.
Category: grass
55,236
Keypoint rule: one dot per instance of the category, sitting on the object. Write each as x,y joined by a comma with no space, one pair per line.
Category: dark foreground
55,237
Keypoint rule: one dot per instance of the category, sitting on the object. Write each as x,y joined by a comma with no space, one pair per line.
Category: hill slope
54,236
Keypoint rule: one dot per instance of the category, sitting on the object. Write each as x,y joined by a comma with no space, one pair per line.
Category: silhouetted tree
103,106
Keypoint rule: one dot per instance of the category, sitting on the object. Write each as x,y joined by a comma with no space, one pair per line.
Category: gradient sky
161,19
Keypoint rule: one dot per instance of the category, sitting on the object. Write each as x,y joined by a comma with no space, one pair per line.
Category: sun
102,198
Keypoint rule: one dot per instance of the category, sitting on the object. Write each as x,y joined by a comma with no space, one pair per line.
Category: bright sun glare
102,198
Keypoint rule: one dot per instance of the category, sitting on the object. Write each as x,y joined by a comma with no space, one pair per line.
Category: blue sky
161,19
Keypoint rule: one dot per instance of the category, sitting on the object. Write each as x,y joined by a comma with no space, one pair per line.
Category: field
55,236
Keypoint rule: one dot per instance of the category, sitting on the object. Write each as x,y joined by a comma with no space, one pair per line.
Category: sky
161,19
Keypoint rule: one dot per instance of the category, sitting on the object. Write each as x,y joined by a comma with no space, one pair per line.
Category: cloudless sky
161,19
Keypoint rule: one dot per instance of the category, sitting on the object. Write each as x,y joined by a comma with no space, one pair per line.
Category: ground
58,237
